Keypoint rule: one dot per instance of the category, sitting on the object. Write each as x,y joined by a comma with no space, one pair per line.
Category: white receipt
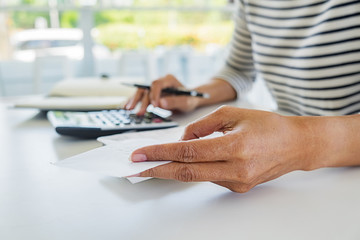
159,136
113,159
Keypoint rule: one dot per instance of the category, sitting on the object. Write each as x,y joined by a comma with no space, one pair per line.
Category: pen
174,91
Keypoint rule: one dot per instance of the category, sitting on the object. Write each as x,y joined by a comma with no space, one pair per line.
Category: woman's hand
256,147
155,97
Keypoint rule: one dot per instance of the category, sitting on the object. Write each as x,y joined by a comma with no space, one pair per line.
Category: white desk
40,201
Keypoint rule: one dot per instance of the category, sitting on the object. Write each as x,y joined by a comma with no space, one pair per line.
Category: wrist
219,91
329,141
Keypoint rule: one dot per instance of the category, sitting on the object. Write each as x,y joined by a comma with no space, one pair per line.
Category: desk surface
41,201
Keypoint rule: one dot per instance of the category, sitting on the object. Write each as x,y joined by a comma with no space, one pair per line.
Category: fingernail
154,103
139,158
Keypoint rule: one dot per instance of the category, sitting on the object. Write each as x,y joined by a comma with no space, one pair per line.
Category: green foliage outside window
126,29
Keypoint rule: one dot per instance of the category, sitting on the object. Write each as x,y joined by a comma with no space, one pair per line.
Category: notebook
83,94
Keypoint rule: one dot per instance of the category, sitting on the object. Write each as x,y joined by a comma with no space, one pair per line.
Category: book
83,94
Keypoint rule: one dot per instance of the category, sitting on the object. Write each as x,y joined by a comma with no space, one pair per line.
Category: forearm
331,141
219,91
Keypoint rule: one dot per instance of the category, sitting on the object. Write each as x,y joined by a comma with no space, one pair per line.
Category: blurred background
42,42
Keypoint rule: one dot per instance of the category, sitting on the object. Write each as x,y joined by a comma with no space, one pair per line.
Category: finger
132,103
201,150
221,120
158,85
144,103
127,104
174,103
185,172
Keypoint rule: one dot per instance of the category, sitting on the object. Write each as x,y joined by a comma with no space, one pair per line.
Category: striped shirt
307,51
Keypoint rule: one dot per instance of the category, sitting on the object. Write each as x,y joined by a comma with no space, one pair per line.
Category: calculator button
126,121
138,120
148,115
157,120
147,120
167,119
116,122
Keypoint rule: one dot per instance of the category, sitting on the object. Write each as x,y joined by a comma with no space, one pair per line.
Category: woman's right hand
155,97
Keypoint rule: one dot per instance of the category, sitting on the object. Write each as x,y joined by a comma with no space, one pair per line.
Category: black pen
174,91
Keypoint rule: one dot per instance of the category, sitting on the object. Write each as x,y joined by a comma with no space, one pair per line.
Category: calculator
107,122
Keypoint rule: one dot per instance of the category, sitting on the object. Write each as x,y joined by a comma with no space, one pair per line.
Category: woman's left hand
256,147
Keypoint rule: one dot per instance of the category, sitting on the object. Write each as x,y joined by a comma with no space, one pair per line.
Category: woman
308,52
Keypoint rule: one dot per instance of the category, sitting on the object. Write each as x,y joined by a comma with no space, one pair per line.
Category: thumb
220,120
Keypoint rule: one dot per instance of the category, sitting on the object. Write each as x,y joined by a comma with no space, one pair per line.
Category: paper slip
162,135
112,160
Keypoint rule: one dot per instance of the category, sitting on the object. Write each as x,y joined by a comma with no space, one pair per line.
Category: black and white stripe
307,51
